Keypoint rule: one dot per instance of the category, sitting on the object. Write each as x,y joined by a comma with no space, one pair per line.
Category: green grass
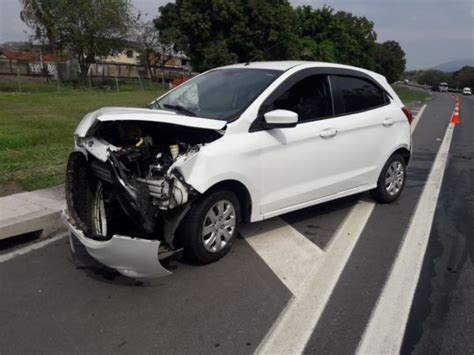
36,130
408,95
37,125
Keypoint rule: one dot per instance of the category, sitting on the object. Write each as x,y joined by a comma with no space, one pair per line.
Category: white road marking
286,251
30,247
385,330
293,328
417,118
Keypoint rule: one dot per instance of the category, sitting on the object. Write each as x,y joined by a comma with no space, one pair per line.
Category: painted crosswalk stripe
384,332
285,250
293,328
417,118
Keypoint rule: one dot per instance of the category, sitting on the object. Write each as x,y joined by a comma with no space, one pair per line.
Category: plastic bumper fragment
132,257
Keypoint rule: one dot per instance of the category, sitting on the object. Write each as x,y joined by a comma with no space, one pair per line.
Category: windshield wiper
181,109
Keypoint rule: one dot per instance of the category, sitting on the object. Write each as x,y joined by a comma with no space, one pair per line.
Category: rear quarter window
353,94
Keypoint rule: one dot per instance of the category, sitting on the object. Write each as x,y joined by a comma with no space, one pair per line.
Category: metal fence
69,70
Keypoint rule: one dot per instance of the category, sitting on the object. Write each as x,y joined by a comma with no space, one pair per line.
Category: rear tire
391,180
210,227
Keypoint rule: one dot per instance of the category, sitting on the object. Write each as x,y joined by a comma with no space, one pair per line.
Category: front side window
353,94
310,98
221,94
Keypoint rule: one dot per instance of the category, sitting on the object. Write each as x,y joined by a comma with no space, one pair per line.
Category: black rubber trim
78,191
259,123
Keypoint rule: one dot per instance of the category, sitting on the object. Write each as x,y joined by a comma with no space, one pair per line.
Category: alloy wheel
394,178
218,226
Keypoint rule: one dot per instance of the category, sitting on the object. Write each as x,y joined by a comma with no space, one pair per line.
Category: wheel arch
241,192
402,150
405,153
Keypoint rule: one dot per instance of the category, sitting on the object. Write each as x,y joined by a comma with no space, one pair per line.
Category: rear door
365,123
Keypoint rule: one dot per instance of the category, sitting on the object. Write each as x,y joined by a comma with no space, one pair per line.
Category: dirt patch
10,188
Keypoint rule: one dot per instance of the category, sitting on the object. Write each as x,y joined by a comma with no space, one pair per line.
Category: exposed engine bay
125,179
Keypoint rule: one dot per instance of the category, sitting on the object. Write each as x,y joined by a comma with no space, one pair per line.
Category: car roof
274,65
287,64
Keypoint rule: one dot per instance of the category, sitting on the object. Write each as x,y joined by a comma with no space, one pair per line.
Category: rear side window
352,94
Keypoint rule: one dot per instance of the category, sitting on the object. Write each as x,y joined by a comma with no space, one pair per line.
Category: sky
431,32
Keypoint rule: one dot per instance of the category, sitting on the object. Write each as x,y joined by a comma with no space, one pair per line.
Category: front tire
391,180
210,227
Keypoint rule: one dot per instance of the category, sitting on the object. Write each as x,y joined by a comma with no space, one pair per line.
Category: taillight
408,114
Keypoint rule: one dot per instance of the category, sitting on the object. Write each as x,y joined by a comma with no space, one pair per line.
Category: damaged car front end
145,185
125,190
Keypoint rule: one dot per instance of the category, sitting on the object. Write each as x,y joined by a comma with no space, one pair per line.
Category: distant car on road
244,142
435,87
466,91
443,87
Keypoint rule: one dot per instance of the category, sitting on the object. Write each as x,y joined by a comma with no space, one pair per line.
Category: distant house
128,56
132,55
173,60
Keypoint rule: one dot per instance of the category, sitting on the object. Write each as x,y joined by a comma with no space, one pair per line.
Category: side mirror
281,119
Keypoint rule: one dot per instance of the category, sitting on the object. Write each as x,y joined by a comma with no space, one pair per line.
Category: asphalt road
53,303
442,317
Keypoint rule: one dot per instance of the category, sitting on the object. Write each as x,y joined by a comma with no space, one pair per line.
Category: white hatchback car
244,142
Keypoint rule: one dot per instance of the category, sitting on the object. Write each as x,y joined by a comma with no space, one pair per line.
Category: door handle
387,122
328,133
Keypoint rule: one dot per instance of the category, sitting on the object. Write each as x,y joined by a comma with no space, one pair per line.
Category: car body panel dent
147,115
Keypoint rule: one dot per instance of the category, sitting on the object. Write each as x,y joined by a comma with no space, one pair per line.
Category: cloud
11,26
430,31
417,34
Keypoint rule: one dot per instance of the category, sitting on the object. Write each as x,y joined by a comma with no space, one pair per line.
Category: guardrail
428,87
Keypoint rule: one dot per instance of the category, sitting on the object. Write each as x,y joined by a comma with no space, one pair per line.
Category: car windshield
221,94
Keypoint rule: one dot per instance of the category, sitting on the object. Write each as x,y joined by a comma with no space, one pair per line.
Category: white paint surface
295,324
384,333
30,248
417,118
286,251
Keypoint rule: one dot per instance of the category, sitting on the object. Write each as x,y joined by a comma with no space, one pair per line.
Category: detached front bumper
132,257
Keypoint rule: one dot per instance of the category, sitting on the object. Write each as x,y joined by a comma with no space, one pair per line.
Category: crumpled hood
144,114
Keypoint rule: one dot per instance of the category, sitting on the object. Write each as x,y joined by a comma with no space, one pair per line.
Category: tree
154,51
390,60
335,37
433,76
86,29
217,32
40,15
464,77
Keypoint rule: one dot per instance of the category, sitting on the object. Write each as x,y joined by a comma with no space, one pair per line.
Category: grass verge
408,95
36,128
36,131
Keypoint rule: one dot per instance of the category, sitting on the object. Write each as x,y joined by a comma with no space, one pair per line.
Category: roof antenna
264,52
